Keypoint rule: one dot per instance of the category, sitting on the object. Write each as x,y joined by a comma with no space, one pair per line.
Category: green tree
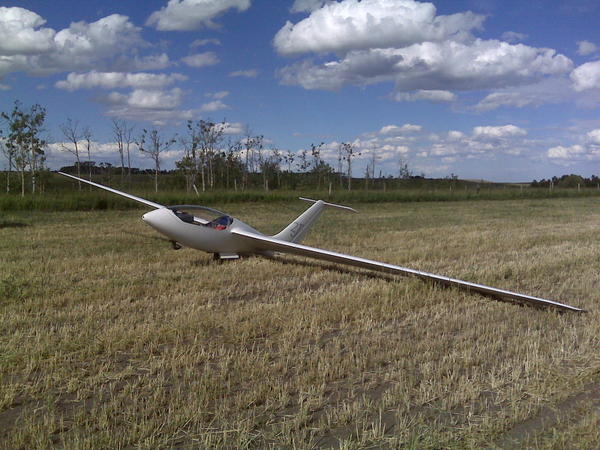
23,141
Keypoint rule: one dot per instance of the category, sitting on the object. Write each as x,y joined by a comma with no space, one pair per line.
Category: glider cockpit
203,215
220,223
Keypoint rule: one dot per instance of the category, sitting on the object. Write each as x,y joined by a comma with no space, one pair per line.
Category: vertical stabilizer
297,230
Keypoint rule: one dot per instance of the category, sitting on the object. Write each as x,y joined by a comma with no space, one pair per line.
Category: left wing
269,243
114,191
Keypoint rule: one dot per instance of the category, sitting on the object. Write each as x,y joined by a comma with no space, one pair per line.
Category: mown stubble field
110,339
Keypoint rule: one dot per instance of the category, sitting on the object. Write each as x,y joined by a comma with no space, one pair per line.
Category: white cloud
498,132
187,15
560,152
250,73
213,106
586,76
550,90
21,33
433,95
587,150
201,59
112,80
404,129
149,105
110,43
593,137
203,42
454,135
218,95
513,37
149,62
427,56
307,5
586,48
448,65
233,128
155,99
367,24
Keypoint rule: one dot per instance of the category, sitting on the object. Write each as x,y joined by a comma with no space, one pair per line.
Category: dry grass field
110,339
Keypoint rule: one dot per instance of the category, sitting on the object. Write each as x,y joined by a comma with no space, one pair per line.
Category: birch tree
87,137
152,144
350,152
24,142
9,154
71,132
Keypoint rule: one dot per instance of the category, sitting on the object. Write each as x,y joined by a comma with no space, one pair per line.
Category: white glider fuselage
202,236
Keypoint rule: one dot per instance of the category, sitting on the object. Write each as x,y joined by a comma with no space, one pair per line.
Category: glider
229,238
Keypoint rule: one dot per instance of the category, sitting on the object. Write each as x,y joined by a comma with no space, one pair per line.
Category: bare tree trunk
8,174
349,172
23,181
156,177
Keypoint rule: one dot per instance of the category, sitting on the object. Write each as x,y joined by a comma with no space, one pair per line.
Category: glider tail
299,228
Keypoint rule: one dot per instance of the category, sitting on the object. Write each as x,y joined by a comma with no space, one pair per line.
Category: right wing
269,243
114,191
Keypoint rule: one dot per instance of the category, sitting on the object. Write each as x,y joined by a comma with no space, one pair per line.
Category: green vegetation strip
95,200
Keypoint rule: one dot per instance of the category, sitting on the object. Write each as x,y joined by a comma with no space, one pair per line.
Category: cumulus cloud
550,90
112,80
213,106
233,128
593,137
203,42
433,95
586,48
21,32
218,95
148,98
498,132
427,56
201,59
187,15
249,73
454,135
480,64
307,5
367,24
586,76
404,129
587,150
513,37
561,152
150,105
110,43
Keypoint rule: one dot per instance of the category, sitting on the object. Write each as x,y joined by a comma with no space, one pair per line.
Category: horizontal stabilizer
333,205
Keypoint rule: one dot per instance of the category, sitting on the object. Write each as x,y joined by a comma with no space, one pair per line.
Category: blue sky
504,91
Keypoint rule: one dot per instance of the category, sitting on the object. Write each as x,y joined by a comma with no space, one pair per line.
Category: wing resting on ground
114,191
269,243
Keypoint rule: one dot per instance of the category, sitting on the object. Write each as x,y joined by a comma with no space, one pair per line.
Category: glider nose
151,218
160,220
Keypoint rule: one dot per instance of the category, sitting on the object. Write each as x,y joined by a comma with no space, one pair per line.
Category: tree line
568,181
211,158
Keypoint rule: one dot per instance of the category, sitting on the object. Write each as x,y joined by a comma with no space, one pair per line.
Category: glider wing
269,243
114,191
